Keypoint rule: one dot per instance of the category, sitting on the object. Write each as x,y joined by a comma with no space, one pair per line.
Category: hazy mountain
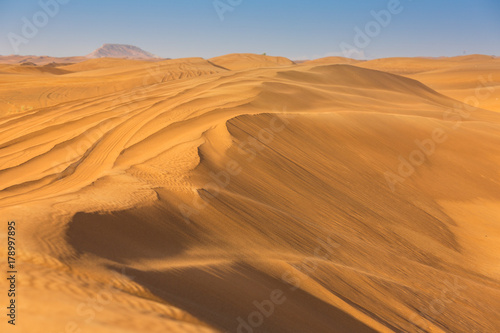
120,51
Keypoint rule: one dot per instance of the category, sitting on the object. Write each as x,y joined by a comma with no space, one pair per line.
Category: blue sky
296,29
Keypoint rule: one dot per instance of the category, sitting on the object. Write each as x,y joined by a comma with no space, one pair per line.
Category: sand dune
332,61
472,79
32,70
101,63
240,61
249,194
91,78
38,60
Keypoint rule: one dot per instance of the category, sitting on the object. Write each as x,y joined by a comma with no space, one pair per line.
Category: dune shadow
226,296
149,232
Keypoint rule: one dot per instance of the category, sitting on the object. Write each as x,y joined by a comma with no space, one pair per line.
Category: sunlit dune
91,78
472,79
31,69
240,61
247,193
101,63
332,61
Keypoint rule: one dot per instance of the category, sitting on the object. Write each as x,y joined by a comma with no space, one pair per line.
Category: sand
471,79
248,193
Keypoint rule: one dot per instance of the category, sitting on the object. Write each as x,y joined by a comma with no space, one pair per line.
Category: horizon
292,29
221,55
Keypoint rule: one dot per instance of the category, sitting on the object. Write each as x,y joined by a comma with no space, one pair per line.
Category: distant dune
241,61
105,51
247,193
38,60
331,61
29,68
100,63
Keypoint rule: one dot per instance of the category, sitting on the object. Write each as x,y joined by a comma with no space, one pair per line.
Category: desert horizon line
267,54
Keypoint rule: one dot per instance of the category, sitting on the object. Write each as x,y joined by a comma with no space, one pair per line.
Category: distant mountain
121,51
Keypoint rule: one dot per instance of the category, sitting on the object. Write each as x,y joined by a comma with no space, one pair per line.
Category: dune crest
242,61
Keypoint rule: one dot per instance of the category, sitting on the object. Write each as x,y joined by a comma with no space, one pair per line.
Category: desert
230,166
249,193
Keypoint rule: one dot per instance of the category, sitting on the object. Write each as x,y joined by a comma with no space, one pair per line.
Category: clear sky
296,29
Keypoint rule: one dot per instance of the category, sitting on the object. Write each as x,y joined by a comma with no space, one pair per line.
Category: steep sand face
287,199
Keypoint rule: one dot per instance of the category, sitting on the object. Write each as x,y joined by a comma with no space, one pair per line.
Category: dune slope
472,79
